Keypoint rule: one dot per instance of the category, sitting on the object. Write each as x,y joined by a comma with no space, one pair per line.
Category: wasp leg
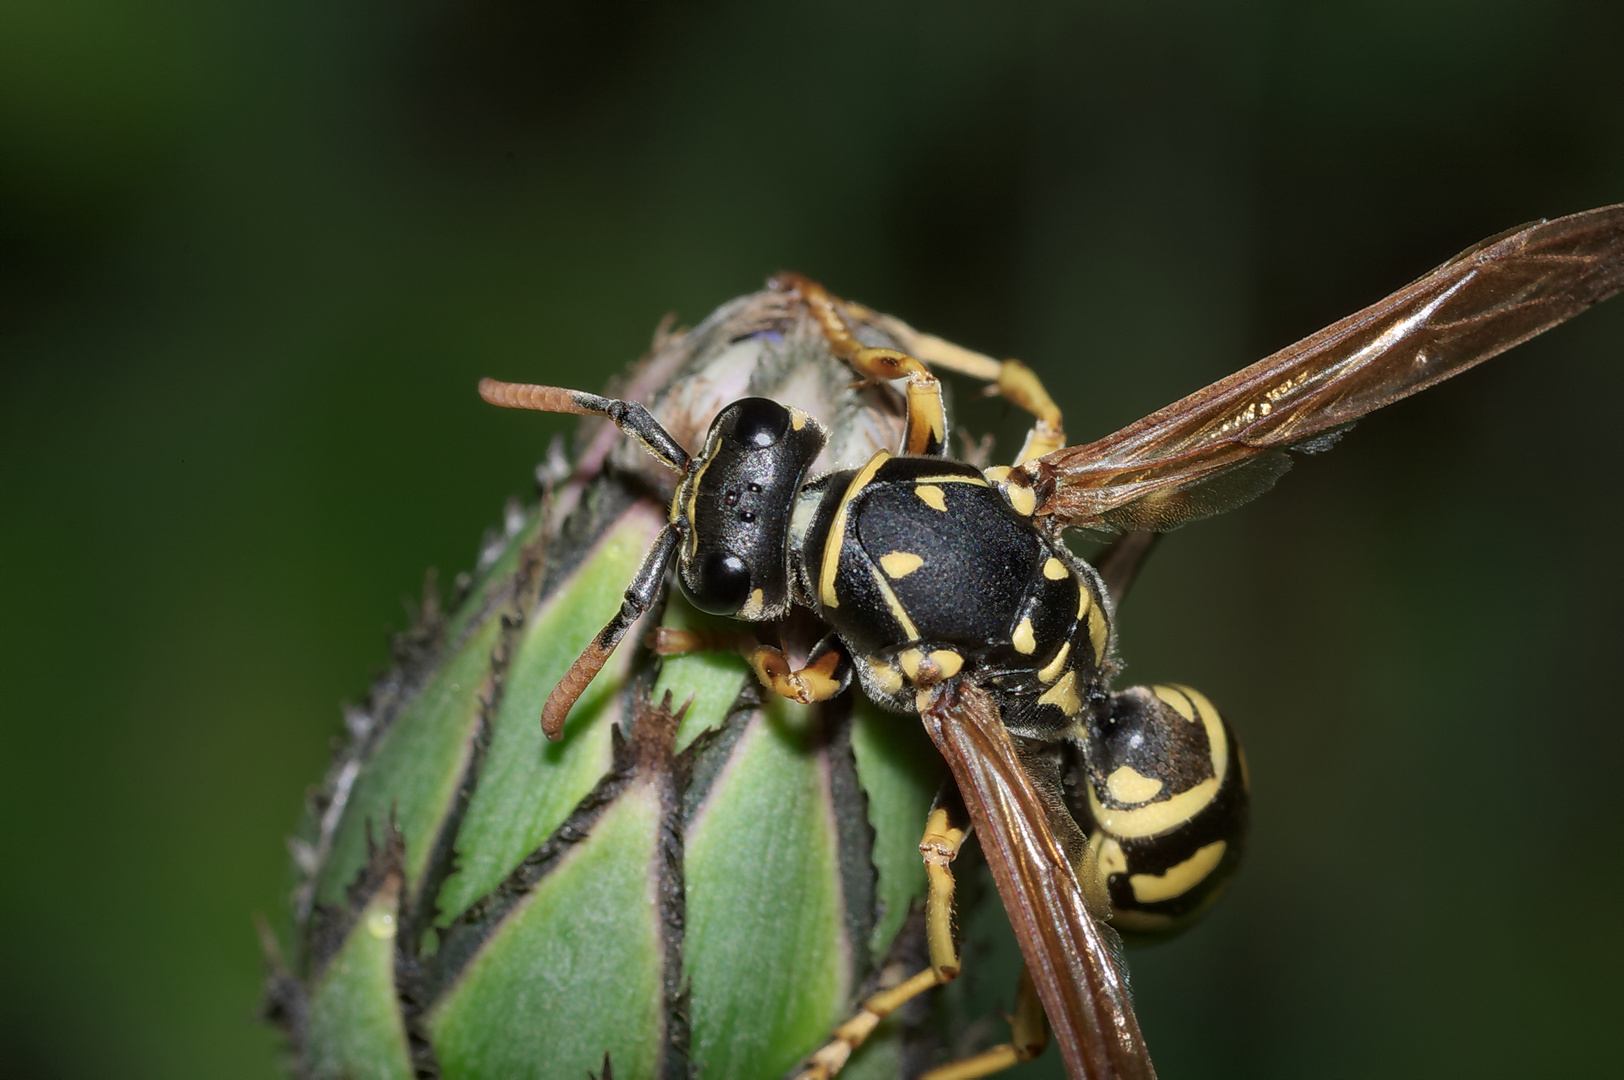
1021,385
926,432
927,417
945,831
1010,379
670,641
827,671
1028,1037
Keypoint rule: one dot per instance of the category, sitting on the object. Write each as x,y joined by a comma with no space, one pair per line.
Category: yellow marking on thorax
1063,695
899,564
1097,632
939,666
1024,639
898,612
1019,496
886,677
1054,569
836,539
1051,671
1128,785
909,660
1180,879
1022,498
951,478
932,496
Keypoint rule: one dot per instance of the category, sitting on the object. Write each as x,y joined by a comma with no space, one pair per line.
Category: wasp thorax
1163,791
736,505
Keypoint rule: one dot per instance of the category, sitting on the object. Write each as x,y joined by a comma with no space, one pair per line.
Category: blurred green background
256,255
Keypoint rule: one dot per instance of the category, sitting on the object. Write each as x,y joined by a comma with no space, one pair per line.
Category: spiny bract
664,895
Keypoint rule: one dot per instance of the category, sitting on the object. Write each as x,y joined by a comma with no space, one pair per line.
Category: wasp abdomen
1162,790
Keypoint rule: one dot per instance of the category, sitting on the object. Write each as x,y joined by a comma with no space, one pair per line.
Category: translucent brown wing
1226,444
1079,979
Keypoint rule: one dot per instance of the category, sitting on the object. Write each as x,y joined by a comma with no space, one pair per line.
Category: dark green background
256,255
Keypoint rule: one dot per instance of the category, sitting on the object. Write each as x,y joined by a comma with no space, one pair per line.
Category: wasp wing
1226,444
1081,982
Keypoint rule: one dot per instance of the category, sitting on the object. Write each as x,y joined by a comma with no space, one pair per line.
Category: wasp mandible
947,591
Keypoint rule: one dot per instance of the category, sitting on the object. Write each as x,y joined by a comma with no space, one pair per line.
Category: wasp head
734,507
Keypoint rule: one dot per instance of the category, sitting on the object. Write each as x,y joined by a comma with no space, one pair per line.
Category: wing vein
1225,444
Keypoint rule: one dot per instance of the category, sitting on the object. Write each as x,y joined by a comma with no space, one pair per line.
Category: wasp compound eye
757,422
721,582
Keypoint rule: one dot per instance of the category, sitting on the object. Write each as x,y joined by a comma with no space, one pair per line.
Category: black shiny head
735,503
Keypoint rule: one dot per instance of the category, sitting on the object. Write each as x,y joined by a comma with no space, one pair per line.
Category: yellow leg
1028,1037
1021,385
827,673
945,831
1009,378
927,417
834,1054
670,641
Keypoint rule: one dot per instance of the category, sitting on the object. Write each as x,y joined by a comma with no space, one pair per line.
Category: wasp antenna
628,416
571,687
640,596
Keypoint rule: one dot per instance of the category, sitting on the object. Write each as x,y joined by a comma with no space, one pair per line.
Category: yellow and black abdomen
926,569
1160,786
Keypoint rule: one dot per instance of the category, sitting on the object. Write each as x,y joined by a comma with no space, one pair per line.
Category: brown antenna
628,416
644,590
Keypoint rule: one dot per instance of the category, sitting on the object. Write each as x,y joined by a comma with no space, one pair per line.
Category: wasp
947,591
